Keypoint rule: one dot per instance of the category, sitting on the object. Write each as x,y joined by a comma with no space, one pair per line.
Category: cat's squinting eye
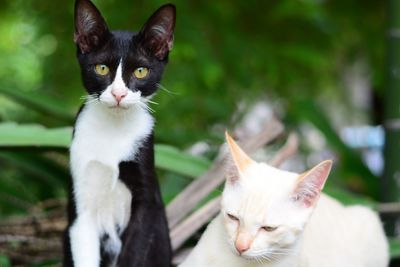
269,228
141,72
233,218
102,69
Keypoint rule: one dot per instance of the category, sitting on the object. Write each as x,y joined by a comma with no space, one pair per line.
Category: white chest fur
103,138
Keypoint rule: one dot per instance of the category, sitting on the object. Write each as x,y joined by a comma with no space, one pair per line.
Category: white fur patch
104,136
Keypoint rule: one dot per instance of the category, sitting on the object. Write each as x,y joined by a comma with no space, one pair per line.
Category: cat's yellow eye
141,72
102,69
269,228
233,218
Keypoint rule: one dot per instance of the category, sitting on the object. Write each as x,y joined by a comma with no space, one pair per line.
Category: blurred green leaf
394,248
172,159
349,198
33,135
47,171
171,184
41,102
4,261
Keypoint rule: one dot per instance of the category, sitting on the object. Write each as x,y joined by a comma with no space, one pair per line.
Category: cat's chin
259,258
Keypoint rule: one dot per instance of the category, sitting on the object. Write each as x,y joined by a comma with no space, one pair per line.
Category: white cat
274,218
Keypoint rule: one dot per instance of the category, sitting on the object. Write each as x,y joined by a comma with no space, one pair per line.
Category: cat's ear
240,160
90,27
157,35
310,184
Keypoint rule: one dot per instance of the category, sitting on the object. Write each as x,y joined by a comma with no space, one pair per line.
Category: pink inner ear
309,186
232,173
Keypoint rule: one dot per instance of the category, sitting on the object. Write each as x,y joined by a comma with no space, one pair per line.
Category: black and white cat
116,214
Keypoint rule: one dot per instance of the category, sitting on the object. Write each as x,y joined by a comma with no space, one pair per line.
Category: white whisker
165,89
146,107
150,101
90,99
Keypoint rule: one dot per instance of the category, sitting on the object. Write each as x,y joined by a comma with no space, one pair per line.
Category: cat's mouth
119,106
270,254
122,106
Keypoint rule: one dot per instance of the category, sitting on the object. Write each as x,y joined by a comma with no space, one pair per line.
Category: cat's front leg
85,243
146,241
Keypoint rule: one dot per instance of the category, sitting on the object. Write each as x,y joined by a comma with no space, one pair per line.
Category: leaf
349,198
49,172
394,248
172,159
40,102
33,135
4,261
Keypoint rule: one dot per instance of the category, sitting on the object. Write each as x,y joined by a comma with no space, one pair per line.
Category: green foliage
171,159
395,248
14,135
4,261
223,53
352,170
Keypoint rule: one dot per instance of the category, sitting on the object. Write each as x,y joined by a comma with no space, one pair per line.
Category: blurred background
327,69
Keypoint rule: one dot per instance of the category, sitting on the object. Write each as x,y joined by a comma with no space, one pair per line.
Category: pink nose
242,247
119,94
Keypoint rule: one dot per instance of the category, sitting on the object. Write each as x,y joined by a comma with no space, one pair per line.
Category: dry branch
35,238
188,227
389,208
288,150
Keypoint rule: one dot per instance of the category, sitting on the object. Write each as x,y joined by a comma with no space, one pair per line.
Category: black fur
145,241
147,215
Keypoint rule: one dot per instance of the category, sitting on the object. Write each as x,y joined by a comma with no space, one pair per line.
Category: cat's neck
108,135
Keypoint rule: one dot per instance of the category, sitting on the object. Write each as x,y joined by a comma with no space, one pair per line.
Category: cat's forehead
263,174
260,185
124,36
119,42
122,45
